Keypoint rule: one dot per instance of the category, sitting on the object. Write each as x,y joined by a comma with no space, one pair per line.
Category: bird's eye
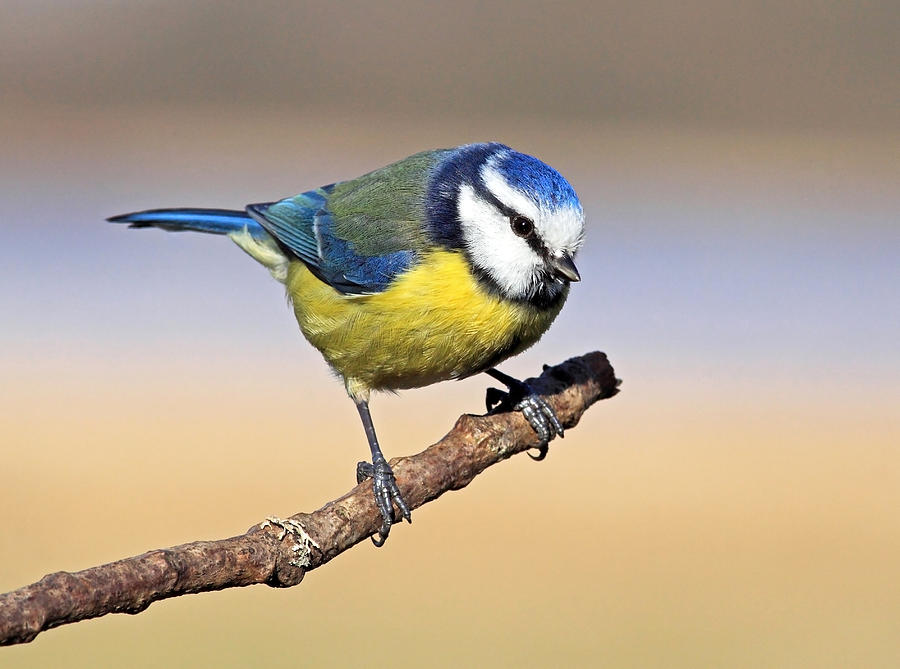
521,225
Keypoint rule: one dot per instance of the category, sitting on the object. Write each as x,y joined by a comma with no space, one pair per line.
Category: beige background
737,505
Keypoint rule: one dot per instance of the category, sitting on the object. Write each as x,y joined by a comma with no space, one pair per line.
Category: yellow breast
435,322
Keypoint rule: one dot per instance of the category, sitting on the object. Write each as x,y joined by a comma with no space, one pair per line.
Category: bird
439,266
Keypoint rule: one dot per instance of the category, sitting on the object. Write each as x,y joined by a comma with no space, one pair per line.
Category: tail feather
243,231
214,221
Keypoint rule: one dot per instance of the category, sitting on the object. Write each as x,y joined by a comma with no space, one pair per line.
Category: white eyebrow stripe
508,196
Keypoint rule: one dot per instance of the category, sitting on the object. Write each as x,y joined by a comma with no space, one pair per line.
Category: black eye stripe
534,240
509,212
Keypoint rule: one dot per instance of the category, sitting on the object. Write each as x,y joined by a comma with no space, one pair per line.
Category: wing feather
357,236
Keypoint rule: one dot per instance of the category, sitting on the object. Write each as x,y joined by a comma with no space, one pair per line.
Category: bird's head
517,220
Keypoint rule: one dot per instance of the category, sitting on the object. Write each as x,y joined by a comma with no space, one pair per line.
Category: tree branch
280,552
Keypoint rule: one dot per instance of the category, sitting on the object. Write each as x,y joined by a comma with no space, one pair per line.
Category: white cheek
493,246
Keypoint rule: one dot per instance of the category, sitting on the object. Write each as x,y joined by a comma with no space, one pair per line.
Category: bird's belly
433,323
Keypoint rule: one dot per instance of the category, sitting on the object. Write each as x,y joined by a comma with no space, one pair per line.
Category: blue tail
215,221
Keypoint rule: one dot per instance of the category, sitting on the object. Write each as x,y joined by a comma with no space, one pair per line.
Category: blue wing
305,227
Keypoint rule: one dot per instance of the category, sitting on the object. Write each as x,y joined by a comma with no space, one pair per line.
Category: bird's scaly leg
383,483
537,412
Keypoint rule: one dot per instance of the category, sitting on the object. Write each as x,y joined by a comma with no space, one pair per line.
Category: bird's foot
539,414
386,495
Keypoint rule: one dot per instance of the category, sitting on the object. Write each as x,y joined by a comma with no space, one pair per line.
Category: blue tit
437,267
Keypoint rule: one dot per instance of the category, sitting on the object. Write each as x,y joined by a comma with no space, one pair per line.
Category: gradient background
738,504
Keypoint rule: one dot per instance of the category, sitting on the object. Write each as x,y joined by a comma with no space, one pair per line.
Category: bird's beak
564,267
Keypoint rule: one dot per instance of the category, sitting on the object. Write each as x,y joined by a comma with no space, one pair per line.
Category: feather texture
214,221
357,236
434,322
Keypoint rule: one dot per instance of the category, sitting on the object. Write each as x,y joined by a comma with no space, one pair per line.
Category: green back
384,211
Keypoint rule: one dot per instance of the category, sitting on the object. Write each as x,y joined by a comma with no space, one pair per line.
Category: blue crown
538,180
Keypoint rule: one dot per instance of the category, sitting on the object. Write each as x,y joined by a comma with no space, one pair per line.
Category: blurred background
738,504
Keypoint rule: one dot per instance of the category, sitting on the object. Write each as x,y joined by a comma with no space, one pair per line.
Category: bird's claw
384,485
543,420
539,414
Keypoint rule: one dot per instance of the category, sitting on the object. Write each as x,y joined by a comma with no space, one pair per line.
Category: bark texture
279,552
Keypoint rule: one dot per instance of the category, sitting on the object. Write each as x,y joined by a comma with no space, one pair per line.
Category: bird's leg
383,483
537,412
